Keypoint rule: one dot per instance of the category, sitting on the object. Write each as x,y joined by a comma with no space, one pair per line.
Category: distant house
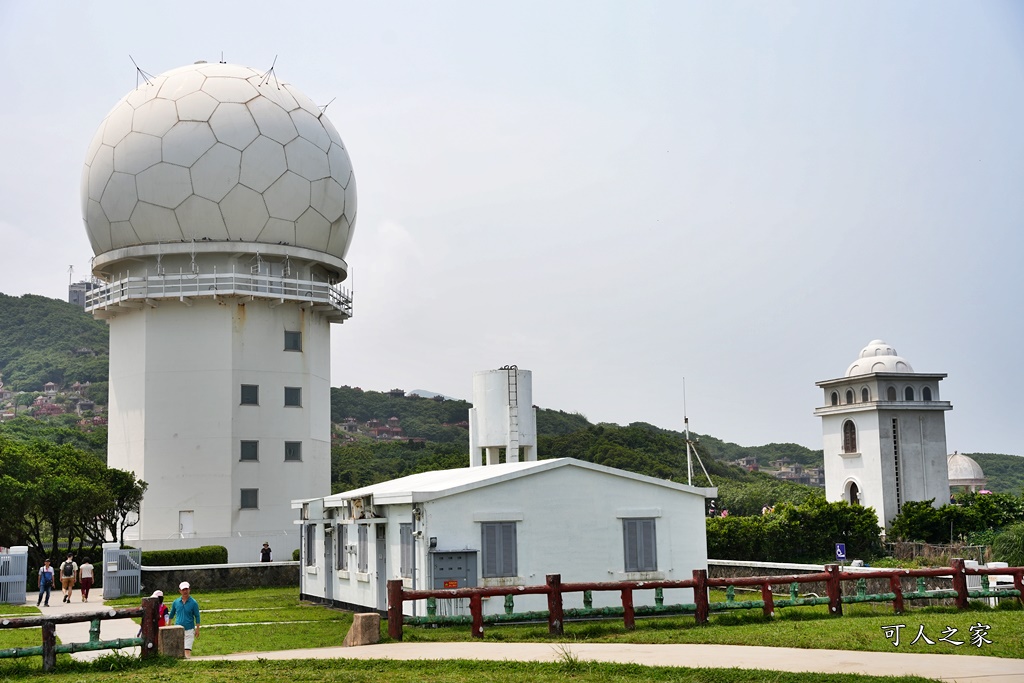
501,525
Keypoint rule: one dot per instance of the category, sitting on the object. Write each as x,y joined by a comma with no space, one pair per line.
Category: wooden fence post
556,617
1018,583
769,600
897,588
959,582
49,645
628,617
700,595
395,608
835,590
150,627
476,608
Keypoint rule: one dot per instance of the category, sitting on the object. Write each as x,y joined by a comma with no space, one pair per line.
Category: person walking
85,577
45,582
185,613
265,552
68,576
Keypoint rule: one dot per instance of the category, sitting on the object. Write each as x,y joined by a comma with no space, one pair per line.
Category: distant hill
1005,473
46,340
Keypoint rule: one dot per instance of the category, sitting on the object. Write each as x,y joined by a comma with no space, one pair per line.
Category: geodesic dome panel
218,152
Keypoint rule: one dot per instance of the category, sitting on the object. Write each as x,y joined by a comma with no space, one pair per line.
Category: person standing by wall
185,613
45,582
85,575
68,576
265,552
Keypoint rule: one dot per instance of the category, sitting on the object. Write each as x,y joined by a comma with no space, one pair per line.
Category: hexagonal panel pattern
218,152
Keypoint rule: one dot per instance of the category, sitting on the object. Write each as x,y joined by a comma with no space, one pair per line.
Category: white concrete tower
220,204
884,434
502,417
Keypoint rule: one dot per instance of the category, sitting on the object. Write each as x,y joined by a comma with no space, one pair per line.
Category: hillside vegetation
45,340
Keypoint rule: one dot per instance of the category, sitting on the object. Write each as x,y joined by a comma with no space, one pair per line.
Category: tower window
865,396
908,394
250,499
926,394
250,451
890,394
293,451
250,394
849,437
835,398
854,494
292,341
849,396
293,396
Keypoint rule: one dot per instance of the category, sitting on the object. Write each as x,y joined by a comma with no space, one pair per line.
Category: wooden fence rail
149,611
833,578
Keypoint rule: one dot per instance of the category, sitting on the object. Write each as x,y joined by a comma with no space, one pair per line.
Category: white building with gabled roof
501,524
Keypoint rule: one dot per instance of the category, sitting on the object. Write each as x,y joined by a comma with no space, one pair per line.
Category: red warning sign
451,584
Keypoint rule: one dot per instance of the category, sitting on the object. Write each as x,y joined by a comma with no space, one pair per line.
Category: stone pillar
171,641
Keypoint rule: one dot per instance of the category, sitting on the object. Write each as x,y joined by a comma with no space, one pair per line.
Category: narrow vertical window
250,499
293,396
864,395
849,396
362,559
926,394
908,394
342,554
309,543
292,341
890,394
499,549
405,540
250,395
835,398
849,437
639,545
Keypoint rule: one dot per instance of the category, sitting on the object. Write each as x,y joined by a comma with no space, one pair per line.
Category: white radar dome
218,152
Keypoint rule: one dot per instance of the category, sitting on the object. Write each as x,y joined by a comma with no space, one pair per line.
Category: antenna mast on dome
140,73
265,79
691,450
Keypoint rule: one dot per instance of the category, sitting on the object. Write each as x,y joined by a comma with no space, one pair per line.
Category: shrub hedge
803,533
207,554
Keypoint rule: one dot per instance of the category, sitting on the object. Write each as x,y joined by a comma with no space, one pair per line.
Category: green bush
207,554
971,516
295,555
1008,546
802,533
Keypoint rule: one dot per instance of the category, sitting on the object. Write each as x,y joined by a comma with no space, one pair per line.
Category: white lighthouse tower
220,204
884,434
502,420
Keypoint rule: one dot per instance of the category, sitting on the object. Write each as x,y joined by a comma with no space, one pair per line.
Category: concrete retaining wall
210,576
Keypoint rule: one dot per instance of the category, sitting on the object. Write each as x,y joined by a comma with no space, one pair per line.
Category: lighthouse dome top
878,356
218,152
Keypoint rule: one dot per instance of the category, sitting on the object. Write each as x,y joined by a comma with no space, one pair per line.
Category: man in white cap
185,613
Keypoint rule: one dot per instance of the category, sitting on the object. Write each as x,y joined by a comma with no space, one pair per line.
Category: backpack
67,569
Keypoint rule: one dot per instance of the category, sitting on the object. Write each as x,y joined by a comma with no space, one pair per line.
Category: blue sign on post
840,551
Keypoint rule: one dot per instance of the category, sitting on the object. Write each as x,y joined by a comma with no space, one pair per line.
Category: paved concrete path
79,632
959,668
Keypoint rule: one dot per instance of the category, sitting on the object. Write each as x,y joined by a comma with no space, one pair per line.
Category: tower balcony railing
130,292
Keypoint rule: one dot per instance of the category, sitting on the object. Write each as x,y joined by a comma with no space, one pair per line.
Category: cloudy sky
613,195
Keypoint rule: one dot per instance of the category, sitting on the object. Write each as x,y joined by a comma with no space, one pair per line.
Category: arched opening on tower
849,396
890,394
853,494
926,394
908,394
849,437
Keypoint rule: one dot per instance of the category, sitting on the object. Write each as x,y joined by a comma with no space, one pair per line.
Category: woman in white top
86,575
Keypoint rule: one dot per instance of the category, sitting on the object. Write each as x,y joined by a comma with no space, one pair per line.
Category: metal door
382,574
329,574
13,570
185,523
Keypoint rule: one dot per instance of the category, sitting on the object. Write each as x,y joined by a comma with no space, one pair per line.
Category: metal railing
134,291
833,577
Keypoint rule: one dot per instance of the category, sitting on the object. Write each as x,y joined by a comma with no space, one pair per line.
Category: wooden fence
50,649
833,577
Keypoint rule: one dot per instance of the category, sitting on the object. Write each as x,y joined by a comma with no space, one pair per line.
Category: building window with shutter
405,540
342,554
362,559
499,549
849,437
639,544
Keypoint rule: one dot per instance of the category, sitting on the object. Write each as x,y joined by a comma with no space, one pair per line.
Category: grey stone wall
204,577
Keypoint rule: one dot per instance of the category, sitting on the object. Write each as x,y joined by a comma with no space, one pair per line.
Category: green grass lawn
377,671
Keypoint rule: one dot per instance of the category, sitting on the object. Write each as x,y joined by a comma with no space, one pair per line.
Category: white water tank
502,421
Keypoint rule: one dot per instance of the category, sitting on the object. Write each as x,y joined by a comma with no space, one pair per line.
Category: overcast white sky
613,195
